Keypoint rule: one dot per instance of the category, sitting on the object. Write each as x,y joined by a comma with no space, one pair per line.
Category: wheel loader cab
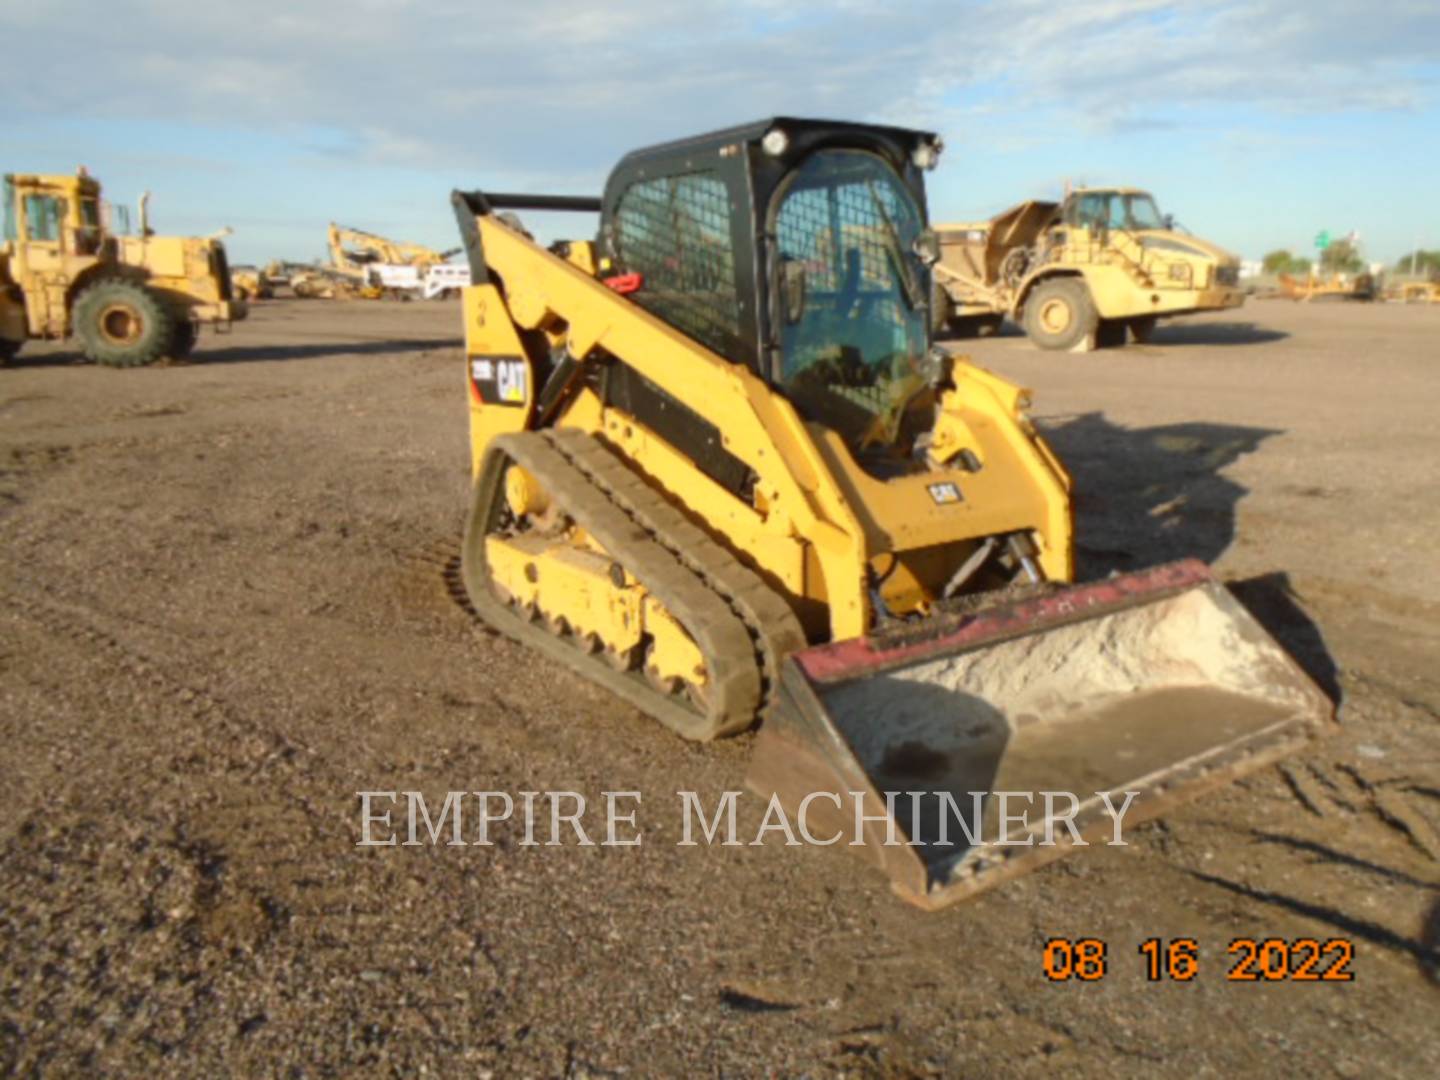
131,300
55,213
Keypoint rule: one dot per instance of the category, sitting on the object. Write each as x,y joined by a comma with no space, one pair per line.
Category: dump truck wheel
123,324
1059,314
8,349
182,344
1143,330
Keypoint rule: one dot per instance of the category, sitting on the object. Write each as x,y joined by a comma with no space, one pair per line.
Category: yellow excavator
720,469
376,266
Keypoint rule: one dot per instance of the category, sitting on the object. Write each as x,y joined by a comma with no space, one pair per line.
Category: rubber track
774,630
733,677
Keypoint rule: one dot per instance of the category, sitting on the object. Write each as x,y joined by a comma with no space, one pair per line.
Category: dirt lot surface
225,613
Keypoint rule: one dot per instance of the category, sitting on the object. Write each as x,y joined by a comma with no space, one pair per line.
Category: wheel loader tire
1059,314
182,344
1110,334
123,324
1143,330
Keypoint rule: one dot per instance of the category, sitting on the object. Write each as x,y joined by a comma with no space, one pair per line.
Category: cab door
41,261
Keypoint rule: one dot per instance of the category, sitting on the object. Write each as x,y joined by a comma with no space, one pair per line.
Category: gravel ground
225,612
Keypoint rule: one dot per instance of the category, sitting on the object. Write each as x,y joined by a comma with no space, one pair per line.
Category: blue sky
1256,123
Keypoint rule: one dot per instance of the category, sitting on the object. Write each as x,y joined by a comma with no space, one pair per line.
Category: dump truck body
1126,267
717,463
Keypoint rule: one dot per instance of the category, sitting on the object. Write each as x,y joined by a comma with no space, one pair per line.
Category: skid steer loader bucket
971,751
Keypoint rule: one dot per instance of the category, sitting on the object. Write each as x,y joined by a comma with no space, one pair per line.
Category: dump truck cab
154,291
1123,228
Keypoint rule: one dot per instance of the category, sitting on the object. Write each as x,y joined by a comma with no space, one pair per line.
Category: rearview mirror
927,247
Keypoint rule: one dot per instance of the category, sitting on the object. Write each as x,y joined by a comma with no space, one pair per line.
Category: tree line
1343,257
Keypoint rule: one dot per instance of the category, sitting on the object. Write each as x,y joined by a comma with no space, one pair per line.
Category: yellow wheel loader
130,300
720,470
1079,273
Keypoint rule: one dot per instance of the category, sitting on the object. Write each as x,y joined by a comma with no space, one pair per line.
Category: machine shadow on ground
241,353
1272,600
1166,333
1145,496
1214,333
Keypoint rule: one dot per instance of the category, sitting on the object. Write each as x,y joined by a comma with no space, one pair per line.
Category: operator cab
1112,208
59,212
799,248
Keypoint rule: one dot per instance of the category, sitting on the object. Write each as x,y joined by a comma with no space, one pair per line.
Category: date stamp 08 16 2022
1179,959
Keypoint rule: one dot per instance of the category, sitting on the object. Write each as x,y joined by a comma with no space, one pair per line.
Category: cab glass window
10,209
43,214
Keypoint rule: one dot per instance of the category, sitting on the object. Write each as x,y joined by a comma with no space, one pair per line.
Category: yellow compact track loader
131,300
720,469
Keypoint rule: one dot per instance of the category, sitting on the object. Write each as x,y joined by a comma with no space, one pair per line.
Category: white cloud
504,87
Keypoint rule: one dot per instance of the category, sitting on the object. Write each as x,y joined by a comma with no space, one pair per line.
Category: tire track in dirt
222,857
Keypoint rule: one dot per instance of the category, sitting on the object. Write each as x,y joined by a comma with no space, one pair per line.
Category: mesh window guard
675,232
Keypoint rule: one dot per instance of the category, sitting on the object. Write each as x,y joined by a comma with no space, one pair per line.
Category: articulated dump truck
1080,273
720,469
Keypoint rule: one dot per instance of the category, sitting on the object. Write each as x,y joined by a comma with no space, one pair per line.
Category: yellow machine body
720,469
1130,266
58,245
818,523
251,283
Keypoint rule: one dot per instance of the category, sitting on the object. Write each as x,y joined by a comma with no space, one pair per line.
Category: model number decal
500,380
946,493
